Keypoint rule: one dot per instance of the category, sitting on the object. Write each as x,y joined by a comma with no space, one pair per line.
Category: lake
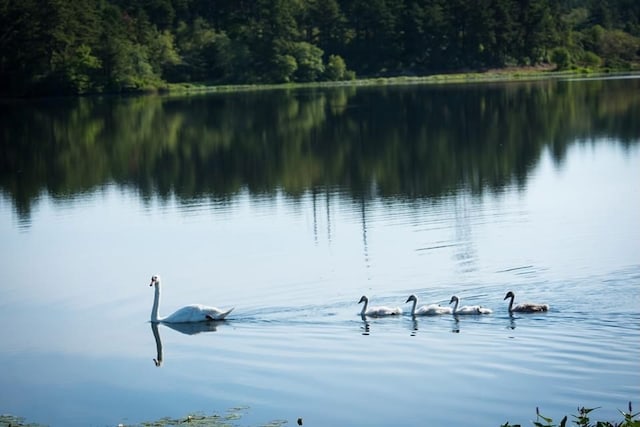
289,205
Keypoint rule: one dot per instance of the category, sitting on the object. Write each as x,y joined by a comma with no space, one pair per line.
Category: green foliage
309,60
561,57
76,68
590,59
162,51
581,419
284,68
60,46
618,47
336,68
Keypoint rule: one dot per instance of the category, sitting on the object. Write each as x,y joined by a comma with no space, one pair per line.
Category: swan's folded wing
213,313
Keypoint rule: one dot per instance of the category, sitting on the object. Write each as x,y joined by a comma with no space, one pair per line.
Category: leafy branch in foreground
582,419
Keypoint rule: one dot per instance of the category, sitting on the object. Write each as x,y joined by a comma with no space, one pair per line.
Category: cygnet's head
411,298
509,295
454,298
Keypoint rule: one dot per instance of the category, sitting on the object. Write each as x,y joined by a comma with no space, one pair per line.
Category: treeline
85,46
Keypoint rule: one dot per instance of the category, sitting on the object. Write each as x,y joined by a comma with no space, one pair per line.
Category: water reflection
414,326
366,326
393,142
455,324
184,328
156,335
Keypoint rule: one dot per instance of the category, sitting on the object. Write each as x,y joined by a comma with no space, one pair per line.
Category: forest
64,47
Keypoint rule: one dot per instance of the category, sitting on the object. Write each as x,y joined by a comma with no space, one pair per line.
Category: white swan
468,309
527,307
377,311
186,314
427,310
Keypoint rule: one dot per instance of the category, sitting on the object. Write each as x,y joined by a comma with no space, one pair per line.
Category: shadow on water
404,143
183,328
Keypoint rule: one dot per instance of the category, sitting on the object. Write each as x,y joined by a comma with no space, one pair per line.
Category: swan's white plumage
187,314
526,307
379,311
427,310
468,309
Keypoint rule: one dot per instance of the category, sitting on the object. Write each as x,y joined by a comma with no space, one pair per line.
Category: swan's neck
455,306
364,307
156,304
413,307
510,304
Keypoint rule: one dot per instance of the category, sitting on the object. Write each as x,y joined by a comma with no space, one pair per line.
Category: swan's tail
224,314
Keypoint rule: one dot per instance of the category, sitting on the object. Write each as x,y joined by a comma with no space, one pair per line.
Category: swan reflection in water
366,326
183,328
512,321
455,325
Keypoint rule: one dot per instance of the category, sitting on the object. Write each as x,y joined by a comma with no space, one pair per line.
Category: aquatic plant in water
13,421
196,419
202,420
582,420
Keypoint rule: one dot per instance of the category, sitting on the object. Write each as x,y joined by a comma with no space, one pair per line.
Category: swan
527,307
186,314
377,311
468,309
427,310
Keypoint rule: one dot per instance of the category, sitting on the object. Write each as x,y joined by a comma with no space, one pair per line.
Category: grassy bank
495,75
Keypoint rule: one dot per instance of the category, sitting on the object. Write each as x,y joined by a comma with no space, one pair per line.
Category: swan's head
411,298
155,280
363,299
454,298
509,295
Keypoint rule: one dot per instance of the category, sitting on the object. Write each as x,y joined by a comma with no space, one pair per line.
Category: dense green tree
336,68
325,25
80,46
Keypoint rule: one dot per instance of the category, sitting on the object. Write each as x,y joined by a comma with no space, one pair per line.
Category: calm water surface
290,205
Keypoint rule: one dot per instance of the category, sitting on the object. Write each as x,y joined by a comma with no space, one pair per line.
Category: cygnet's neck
364,307
511,298
413,307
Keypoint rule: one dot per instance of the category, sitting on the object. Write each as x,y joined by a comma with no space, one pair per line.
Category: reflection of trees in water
464,250
399,142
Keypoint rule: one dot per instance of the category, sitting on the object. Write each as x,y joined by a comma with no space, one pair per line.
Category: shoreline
514,74
496,75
